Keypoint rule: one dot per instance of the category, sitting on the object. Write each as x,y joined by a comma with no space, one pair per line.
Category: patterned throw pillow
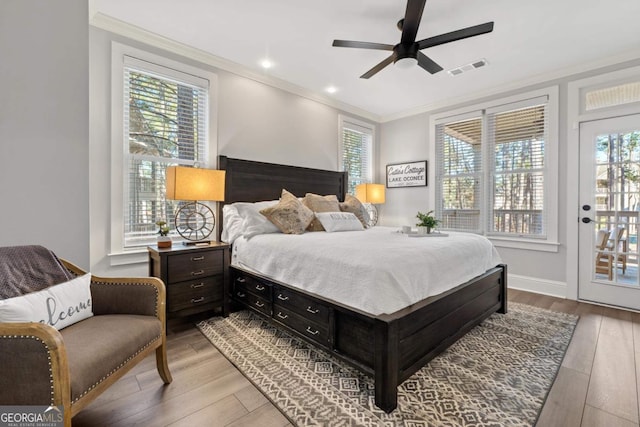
289,215
319,203
339,221
58,305
353,205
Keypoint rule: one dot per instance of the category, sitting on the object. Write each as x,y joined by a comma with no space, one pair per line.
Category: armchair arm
140,295
33,366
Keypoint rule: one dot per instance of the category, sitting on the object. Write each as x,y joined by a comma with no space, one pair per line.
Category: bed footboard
407,340
389,347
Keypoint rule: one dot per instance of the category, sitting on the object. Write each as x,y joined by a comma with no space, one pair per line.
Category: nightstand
196,277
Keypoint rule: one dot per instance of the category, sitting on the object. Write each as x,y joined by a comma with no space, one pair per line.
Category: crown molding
520,84
116,26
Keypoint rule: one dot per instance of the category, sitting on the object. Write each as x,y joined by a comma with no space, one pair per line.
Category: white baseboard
536,285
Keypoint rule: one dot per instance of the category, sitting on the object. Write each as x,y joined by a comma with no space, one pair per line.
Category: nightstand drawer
310,329
253,286
195,265
194,293
302,305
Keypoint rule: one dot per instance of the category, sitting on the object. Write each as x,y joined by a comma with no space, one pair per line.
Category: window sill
134,256
526,244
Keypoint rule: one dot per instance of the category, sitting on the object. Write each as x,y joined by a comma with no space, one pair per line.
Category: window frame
120,57
347,122
550,242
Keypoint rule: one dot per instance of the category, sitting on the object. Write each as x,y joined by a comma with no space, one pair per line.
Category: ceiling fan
408,50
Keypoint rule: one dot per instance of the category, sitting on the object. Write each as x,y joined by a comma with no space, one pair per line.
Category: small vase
423,230
164,242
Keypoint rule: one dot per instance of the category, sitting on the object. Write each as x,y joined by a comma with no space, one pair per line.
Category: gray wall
408,139
44,126
255,121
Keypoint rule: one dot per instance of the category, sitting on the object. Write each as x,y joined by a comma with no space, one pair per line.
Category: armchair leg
162,363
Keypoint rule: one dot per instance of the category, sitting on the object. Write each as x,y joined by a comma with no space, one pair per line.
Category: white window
163,116
496,169
356,151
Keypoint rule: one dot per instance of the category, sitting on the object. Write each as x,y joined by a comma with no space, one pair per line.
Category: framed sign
412,174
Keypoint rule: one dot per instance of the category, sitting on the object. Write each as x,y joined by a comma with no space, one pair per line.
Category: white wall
407,139
255,122
44,136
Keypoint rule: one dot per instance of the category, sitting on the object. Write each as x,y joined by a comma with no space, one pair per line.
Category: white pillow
58,305
339,221
253,222
231,223
244,219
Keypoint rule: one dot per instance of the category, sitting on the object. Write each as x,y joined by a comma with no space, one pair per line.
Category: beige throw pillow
318,204
353,205
289,215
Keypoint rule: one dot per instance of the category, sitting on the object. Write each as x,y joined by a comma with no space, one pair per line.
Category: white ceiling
532,40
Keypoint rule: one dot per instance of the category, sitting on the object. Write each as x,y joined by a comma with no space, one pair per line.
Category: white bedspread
377,270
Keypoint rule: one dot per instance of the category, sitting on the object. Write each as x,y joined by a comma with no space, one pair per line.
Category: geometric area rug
498,374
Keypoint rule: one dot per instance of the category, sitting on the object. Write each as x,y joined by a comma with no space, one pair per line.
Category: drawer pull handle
197,258
196,300
282,316
311,331
197,285
240,280
259,304
197,273
282,298
259,288
312,311
241,295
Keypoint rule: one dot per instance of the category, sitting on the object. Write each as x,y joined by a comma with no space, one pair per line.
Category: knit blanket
25,269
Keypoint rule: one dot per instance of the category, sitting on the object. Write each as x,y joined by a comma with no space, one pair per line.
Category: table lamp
371,194
195,221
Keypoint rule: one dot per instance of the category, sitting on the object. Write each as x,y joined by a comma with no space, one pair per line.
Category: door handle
587,220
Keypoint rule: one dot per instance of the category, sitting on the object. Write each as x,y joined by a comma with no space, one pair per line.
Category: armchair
40,365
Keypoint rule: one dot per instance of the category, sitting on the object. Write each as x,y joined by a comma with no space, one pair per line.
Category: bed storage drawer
313,330
301,304
253,294
251,285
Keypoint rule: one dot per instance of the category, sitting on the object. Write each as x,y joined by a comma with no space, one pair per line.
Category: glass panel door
610,203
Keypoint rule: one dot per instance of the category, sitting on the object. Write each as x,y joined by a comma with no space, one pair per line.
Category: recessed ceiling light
331,89
266,63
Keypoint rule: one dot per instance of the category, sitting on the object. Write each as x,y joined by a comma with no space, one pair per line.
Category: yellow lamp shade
370,193
194,184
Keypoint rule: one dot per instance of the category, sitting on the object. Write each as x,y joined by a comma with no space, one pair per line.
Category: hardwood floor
598,383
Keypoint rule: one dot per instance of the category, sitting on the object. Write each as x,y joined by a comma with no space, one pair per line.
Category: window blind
356,155
517,144
165,123
459,174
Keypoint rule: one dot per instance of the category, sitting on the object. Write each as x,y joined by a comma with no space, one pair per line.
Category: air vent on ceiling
468,67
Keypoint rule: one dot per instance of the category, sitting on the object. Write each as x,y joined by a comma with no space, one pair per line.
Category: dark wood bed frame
390,347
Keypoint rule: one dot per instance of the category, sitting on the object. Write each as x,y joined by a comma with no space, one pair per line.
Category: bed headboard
251,181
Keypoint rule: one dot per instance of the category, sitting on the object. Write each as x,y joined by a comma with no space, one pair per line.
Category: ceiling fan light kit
408,51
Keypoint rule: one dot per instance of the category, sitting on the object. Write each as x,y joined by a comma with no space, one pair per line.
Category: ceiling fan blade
464,33
378,67
411,21
428,64
362,45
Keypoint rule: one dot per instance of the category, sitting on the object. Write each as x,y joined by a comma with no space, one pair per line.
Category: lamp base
195,222
372,213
